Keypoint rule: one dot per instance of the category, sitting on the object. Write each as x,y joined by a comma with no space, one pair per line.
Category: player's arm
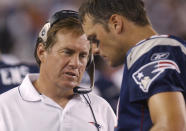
167,111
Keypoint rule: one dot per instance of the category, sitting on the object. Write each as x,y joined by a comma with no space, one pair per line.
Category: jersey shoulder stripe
146,45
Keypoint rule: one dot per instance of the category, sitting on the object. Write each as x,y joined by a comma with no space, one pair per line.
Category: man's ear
41,52
116,23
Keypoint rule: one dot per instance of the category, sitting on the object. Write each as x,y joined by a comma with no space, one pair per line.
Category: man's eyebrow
84,52
72,50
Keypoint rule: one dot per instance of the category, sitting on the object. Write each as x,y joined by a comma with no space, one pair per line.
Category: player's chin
71,84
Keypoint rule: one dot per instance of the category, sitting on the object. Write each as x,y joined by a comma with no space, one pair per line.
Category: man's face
108,47
65,62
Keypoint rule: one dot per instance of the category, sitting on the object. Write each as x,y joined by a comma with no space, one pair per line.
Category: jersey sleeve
12,75
159,69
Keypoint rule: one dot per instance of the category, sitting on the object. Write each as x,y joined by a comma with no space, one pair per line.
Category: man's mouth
71,74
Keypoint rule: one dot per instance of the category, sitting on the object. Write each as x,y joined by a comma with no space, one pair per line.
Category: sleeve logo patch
159,56
149,72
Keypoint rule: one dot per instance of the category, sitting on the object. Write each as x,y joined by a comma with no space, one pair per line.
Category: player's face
65,62
105,40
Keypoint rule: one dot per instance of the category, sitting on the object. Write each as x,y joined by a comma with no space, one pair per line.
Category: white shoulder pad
137,51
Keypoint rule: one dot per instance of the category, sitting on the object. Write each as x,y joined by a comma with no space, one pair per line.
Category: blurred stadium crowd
21,20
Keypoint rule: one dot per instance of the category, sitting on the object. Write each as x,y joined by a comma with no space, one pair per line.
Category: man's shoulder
103,106
9,96
147,46
95,99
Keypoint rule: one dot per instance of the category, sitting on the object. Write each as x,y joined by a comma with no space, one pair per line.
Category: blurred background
21,20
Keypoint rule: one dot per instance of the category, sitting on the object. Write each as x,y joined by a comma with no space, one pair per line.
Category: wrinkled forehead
72,35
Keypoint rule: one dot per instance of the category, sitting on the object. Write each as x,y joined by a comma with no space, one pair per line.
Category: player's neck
132,34
142,33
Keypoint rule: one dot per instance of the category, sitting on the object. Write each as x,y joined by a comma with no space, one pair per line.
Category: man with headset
52,99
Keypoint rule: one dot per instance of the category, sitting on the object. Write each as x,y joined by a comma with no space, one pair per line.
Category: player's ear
41,51
116,23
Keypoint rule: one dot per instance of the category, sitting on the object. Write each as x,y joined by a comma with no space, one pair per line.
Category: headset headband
54,19
62,15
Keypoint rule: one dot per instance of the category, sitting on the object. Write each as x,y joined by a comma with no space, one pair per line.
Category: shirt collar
27,90
29,93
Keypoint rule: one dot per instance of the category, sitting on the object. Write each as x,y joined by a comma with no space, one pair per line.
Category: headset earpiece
44,31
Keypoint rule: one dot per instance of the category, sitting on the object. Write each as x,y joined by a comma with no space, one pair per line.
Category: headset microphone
90,70
80,90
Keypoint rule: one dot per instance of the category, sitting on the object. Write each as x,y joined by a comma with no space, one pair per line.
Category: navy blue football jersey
12,75
154,65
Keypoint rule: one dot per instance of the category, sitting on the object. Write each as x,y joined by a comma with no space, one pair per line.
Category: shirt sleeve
161,69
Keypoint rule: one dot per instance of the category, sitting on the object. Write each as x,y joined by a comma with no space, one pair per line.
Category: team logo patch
149,72
159,56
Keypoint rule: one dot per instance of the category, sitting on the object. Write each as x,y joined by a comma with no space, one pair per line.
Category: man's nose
74,61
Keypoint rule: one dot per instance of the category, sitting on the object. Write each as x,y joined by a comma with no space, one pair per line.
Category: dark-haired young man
52,100
153,90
